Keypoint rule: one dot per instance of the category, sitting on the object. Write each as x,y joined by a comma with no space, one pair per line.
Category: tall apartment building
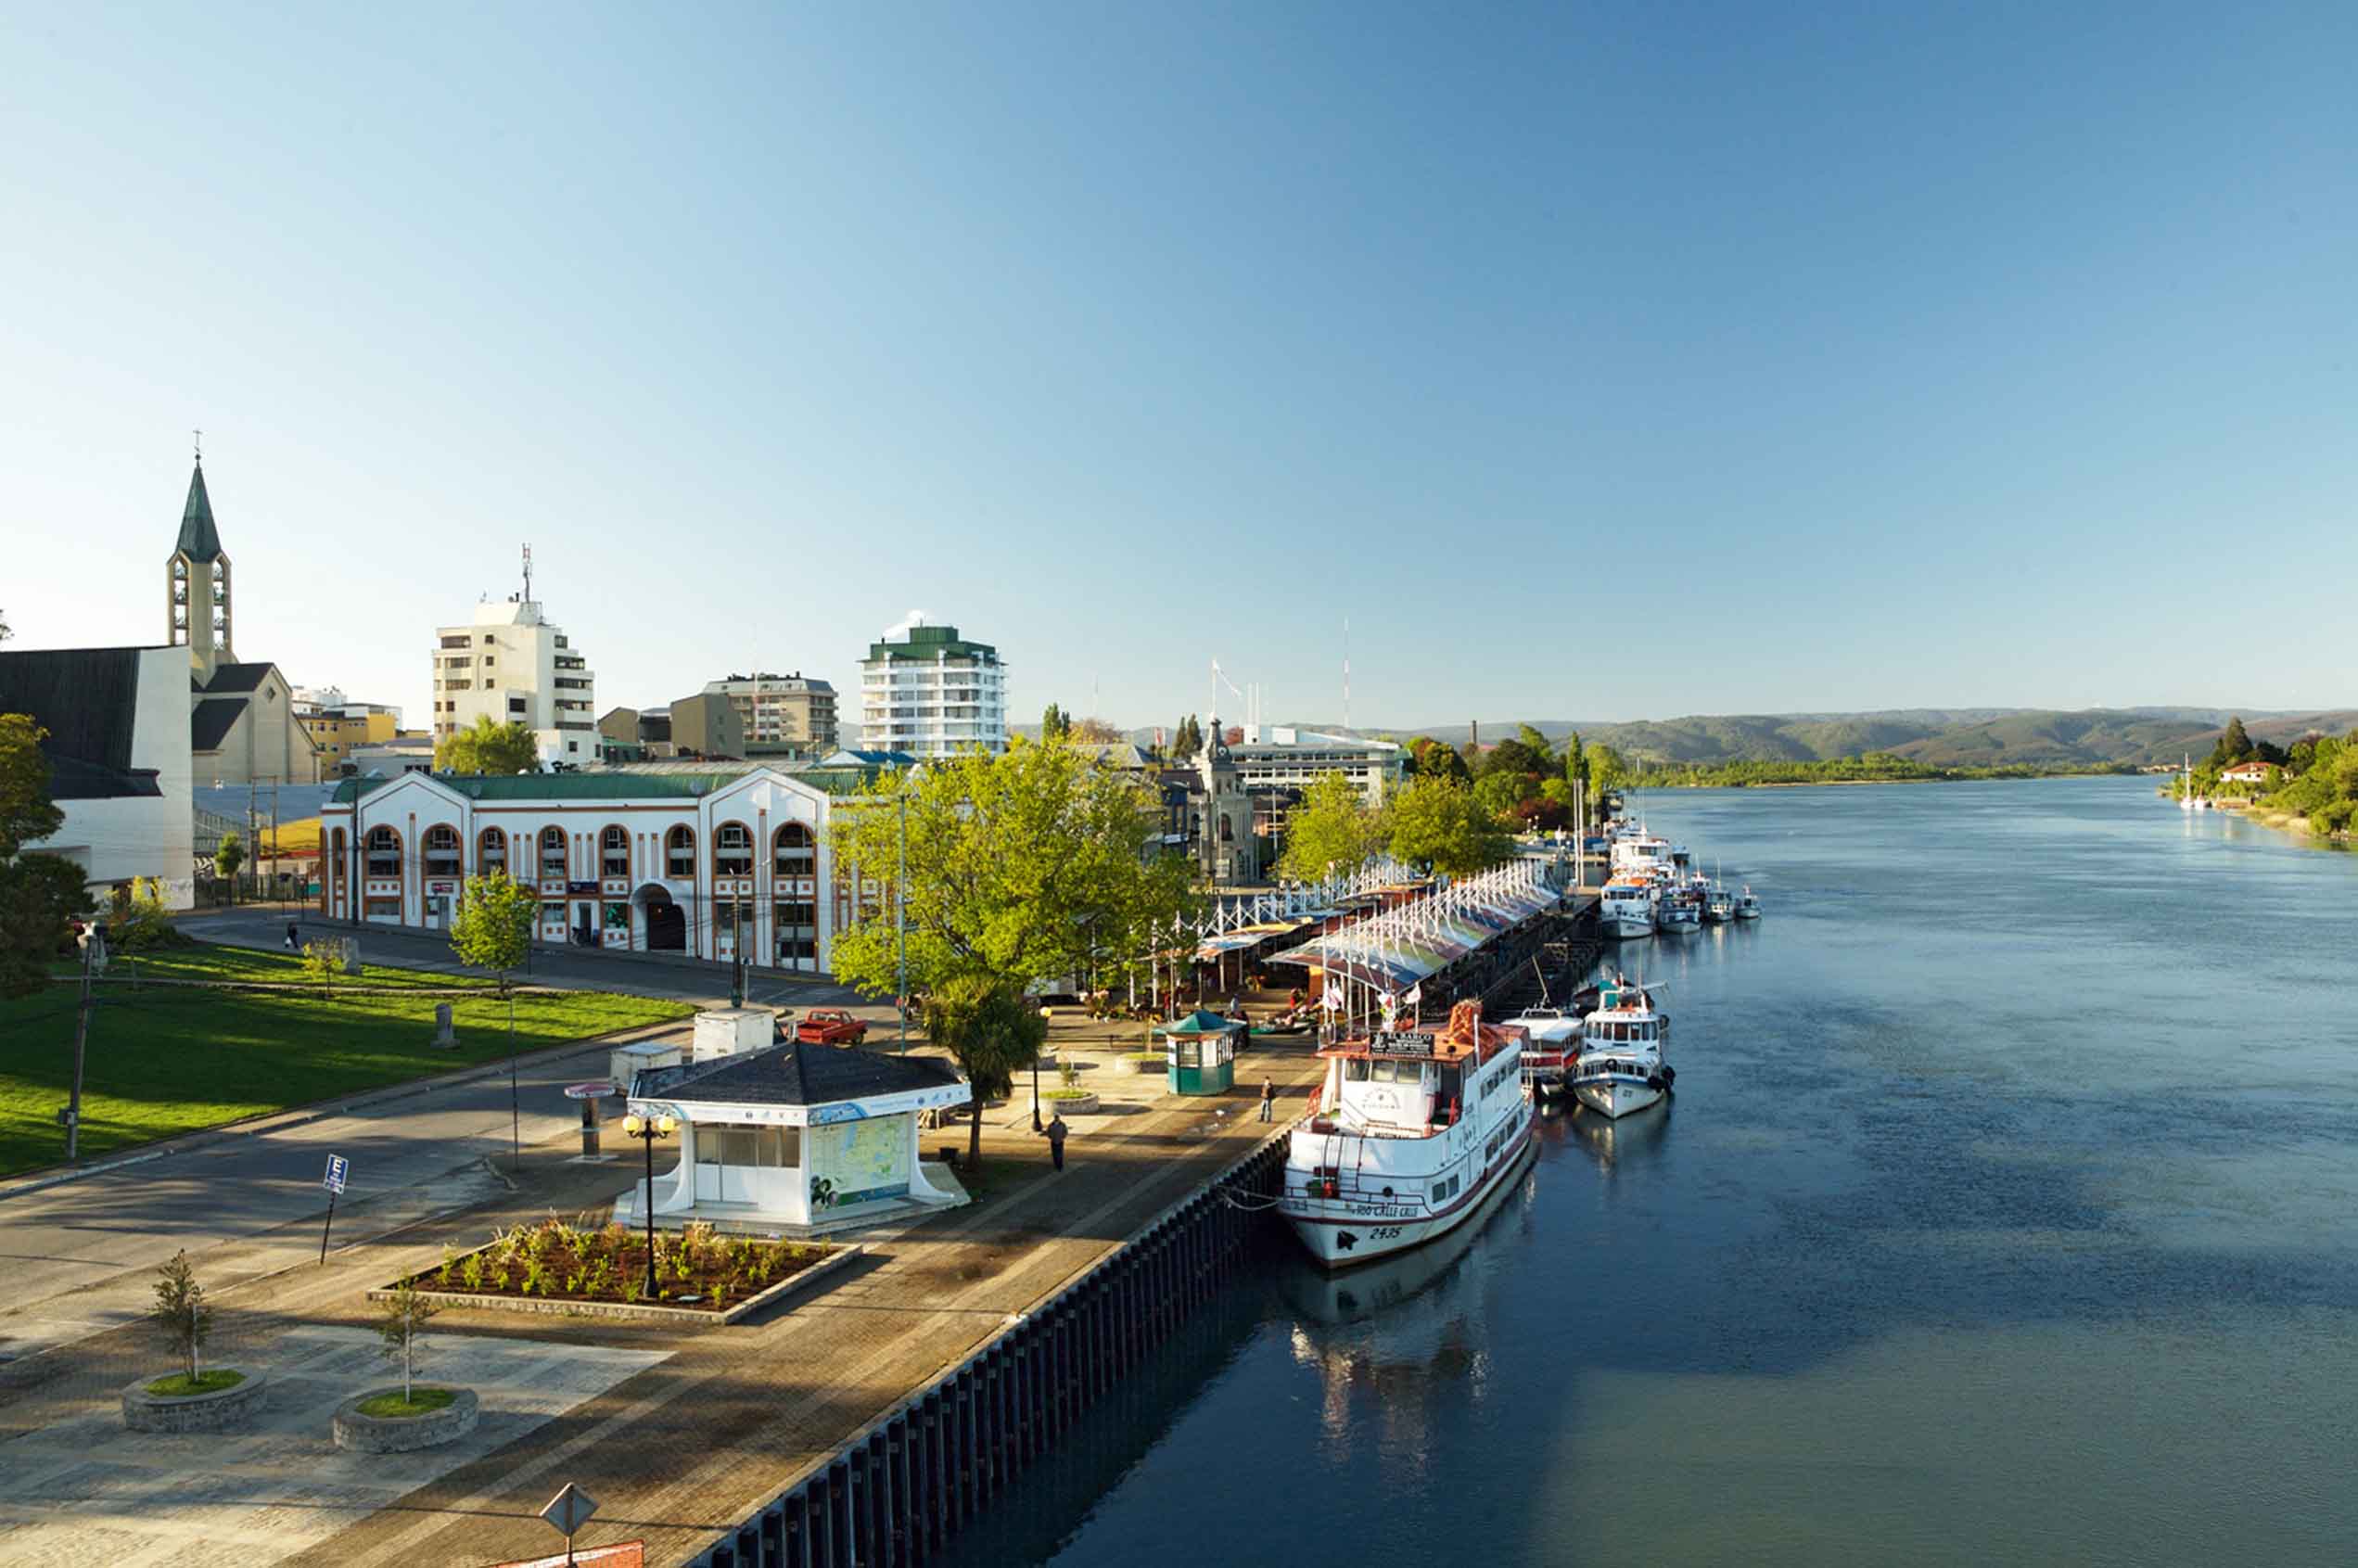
337,724
933,695
516,666
781,713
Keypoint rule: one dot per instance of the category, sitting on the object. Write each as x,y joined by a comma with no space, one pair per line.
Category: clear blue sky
1868,355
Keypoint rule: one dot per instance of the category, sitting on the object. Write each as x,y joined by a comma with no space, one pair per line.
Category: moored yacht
1679,913
1552,1037
1747,907
1625,910
1621,1067
1411,1131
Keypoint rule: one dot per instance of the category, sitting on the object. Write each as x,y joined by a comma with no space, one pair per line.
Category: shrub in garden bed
555,1261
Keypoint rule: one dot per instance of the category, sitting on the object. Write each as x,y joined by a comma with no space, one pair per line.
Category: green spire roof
198,539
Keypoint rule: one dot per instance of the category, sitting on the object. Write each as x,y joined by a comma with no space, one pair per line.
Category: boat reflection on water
1631,1140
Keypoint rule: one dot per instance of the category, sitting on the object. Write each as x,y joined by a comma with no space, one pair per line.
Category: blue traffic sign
337,1169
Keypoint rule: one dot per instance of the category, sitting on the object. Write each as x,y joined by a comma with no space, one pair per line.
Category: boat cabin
1407,1083
1625,1020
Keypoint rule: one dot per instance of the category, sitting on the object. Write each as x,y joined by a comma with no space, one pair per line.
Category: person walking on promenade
293,946
1269,1098
1054,1133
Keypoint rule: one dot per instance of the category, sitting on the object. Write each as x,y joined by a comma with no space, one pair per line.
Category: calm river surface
2007,1211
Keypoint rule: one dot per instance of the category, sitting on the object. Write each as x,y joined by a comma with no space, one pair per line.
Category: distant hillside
1940,738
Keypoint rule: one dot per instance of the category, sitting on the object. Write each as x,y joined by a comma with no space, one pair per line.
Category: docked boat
1411,1131
1719,907
1551,1038
1621,1067
1747,907
1680,913
1625,910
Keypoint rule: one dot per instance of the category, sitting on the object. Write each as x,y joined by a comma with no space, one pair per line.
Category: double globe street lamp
646,1129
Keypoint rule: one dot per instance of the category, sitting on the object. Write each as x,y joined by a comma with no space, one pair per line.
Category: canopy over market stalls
1398,949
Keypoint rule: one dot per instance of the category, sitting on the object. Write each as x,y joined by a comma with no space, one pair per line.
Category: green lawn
204,962
168,1060
178,1385
422,1401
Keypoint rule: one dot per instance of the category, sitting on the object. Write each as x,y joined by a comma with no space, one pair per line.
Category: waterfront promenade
678,1433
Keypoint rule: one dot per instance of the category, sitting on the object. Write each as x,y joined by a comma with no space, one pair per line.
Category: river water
2006,1211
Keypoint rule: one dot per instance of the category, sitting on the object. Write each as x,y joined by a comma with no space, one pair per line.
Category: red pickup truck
830,1026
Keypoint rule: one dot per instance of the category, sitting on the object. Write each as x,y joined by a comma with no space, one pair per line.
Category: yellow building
337,725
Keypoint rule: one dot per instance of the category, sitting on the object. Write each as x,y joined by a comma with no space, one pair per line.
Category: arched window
680,853
553,856
383,847
1228,828
732,851
798,851
614,852
441,850
490,852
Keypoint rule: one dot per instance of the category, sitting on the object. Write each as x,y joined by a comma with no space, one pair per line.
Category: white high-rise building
517,667
932,693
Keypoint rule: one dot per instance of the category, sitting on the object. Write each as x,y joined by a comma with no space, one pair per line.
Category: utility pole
80,1038
900,912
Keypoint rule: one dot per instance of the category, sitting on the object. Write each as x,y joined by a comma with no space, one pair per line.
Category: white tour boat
1621,1067
1747,907
1679,913
1412,1130
1625,910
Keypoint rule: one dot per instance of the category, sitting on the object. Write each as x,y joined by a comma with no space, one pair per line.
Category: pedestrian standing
292,945
1054,1133
1269,1098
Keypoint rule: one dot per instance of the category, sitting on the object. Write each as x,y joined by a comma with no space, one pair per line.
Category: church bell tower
196,585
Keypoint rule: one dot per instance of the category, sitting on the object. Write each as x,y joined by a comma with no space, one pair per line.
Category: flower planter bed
1141,1063
1071,1102
216,1410
447,1422
554,1268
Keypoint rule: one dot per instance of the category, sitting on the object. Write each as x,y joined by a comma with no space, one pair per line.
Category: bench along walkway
685,1449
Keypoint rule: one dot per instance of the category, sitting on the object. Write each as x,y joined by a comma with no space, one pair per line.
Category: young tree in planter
990,1031
402,1326
181,1311
228,855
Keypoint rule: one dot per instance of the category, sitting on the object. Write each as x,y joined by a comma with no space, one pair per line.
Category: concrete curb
402,1434
303,1116
223,1409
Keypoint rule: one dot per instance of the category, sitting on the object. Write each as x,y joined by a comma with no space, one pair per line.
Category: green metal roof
199,540
614,785
930,643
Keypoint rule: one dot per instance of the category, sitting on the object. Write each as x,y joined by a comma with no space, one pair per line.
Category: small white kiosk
796,1138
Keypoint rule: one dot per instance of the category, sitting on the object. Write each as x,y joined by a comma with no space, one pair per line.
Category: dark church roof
798,1075
199,540
230,678
210,724
88,700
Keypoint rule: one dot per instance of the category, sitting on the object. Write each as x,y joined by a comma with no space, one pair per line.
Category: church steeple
196,584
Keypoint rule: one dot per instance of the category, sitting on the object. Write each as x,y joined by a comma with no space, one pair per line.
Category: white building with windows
641,861
515,664
1280,756
932,693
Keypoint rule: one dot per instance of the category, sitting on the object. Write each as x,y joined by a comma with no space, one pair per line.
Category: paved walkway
684,1446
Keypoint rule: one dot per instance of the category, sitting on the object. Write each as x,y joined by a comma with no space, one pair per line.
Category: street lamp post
1035,1092
646,1129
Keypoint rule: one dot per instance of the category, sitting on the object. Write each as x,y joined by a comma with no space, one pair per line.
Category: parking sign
338,1168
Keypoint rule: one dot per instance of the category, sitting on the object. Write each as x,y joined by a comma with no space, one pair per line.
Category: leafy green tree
228,855
1333,829
1606,771
181,1311
38,893
1438,823
1516,757
401,1326
1576,765
1187,740
488,747
1055,724
1542,749
492,927
991,1032
1501,792
143,923
1031,864
1429,758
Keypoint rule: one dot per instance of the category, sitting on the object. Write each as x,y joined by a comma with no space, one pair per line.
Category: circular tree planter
1140,1063
218,1409
1069,1104
400,1434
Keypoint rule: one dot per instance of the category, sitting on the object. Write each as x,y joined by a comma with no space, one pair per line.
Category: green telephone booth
1199,1050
